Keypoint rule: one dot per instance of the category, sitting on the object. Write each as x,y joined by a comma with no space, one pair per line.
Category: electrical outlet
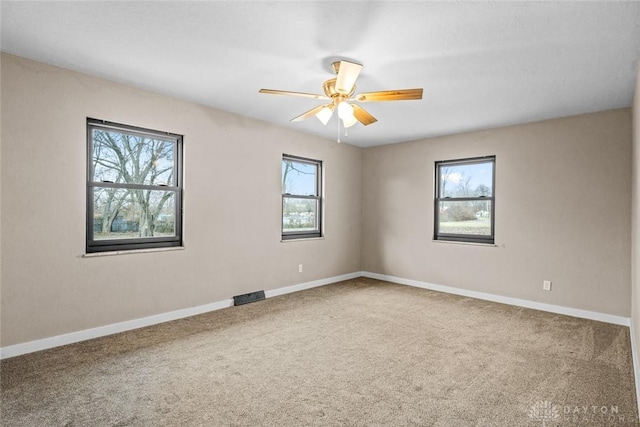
546,285
299,268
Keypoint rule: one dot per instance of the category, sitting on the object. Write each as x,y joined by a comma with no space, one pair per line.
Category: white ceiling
481,64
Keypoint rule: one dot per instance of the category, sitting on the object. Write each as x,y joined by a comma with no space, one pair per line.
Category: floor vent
247,298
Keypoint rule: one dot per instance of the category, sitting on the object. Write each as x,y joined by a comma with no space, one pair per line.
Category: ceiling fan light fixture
324,115
349,121
339,90
345,111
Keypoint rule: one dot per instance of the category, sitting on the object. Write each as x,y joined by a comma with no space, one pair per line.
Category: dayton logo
544,411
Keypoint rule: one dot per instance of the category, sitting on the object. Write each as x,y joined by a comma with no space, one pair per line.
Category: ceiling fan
340,90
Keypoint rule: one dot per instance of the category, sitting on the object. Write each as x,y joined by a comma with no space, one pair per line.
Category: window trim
118,245
299,235
467,238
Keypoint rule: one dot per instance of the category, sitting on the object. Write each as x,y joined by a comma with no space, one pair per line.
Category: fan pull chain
339,131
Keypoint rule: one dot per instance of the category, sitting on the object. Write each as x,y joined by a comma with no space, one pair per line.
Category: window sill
133,251
453,242
302,239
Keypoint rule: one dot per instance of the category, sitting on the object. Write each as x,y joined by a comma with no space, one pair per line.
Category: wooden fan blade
348,72
362,115
310,113
284,92
390,95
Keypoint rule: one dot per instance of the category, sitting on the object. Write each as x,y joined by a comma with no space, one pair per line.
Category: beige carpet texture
357,353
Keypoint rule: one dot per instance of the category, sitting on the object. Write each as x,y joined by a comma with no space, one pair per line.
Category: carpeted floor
356,353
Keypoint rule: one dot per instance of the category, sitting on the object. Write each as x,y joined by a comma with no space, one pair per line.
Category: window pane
466,180
299,214
133,159
465,217
299,178
125,214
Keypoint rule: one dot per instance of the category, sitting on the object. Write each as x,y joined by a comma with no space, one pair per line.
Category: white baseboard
309,285
575,312
73,337
101,331
636,364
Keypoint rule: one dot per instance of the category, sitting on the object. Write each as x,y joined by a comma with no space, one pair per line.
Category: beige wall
562,212
0,202
232,207
635,219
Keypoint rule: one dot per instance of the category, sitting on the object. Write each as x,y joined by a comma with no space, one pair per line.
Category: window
464,202
301,198
134,188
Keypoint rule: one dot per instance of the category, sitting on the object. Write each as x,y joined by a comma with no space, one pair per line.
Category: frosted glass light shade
324,115
349,121
345,111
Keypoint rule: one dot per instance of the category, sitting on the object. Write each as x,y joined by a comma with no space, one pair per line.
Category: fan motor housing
329,88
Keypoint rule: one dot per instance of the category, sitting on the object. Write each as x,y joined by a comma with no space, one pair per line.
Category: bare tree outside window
134,187
464,200
301,207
